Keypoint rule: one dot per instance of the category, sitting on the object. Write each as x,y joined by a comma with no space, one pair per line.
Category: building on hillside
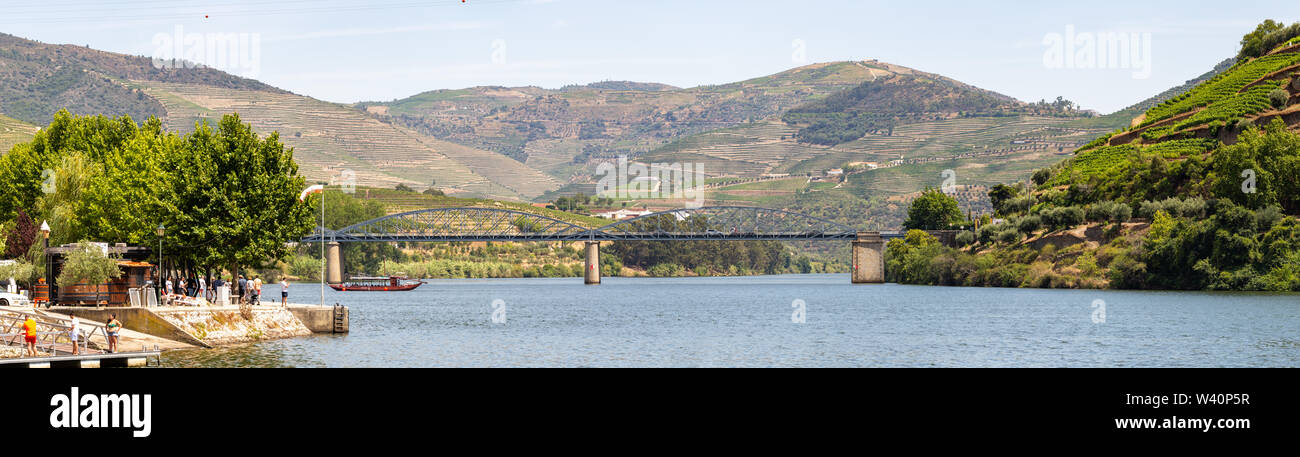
622,214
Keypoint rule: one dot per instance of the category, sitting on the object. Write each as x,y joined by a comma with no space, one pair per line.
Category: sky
380,50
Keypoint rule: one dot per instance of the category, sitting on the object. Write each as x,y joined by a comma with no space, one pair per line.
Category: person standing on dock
29,328
243,288
203,288
74,333
168,286
112,327
257,290
284,292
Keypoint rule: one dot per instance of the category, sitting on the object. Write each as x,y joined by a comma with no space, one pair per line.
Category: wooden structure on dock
135,274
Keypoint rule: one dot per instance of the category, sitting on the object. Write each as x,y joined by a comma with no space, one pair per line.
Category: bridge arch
454,224
725,222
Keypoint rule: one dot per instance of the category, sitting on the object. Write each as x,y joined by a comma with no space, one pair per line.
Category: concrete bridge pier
869,258
591,272
334,265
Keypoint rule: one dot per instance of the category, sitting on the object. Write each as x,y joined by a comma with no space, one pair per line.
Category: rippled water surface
746,321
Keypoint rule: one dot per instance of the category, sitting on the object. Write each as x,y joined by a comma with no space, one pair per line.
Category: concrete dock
152,330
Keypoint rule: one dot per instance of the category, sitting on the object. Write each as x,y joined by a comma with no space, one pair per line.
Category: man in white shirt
75,333
284,292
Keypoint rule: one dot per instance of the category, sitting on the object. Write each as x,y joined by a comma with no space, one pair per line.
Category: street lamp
49,282
159,281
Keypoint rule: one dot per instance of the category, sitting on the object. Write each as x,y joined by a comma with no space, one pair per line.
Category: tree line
227,197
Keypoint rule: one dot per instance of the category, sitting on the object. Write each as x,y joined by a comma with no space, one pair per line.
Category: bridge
718,223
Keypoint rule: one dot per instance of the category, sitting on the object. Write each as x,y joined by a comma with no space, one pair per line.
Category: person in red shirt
29,326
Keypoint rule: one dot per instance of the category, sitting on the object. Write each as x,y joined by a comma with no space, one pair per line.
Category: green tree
88,263
1272,157
234,197
1252,44
21,271
933,210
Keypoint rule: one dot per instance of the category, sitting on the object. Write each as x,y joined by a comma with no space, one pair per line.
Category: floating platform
105,360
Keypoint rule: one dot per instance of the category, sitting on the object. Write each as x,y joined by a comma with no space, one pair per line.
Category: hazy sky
348,51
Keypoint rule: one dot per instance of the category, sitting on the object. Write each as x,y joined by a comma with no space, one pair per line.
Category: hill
39,79
559,131
13,131
1200,193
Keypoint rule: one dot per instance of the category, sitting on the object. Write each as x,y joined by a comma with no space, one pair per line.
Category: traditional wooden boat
377,284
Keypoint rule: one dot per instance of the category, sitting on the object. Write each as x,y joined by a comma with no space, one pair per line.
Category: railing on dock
52,332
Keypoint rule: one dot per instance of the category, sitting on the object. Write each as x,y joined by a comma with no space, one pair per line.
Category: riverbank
181,328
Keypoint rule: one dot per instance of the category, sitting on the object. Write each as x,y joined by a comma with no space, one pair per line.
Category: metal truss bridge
496,224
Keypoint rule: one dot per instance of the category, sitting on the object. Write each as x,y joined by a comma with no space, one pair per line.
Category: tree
403,188
1252,44
1260,169
22,236
21,271
234,200
933,210
87,263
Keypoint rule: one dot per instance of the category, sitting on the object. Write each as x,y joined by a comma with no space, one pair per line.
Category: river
750,322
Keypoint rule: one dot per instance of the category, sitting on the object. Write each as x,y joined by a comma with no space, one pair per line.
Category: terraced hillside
13,131
328,138
1253,91
39,79
605,119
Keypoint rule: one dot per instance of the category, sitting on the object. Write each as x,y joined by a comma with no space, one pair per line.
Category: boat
377,284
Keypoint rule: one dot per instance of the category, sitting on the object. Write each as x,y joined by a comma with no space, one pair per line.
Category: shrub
1278,98
1009,236
965,238
1122,213
1029,224
1041,176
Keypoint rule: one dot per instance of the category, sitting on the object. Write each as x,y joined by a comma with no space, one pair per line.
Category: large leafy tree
933,210
1272,157
233,197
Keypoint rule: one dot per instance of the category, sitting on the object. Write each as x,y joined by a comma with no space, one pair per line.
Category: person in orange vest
29,327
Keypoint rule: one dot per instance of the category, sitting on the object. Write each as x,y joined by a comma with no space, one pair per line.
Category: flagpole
323,260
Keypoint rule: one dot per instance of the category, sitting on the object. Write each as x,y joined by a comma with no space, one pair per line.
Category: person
112,327
185,291
75,333
284,292
217,284
168,286
29,328
243,288
257,290
203,288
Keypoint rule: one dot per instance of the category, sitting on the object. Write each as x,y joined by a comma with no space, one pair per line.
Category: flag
314,189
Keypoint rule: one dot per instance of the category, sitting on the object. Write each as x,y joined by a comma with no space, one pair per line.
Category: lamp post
49,282
159,281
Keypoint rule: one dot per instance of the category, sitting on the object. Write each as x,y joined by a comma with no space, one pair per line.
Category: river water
750,322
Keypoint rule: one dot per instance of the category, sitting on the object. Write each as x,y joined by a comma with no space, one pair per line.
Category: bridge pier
591,272
334,265
868,258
